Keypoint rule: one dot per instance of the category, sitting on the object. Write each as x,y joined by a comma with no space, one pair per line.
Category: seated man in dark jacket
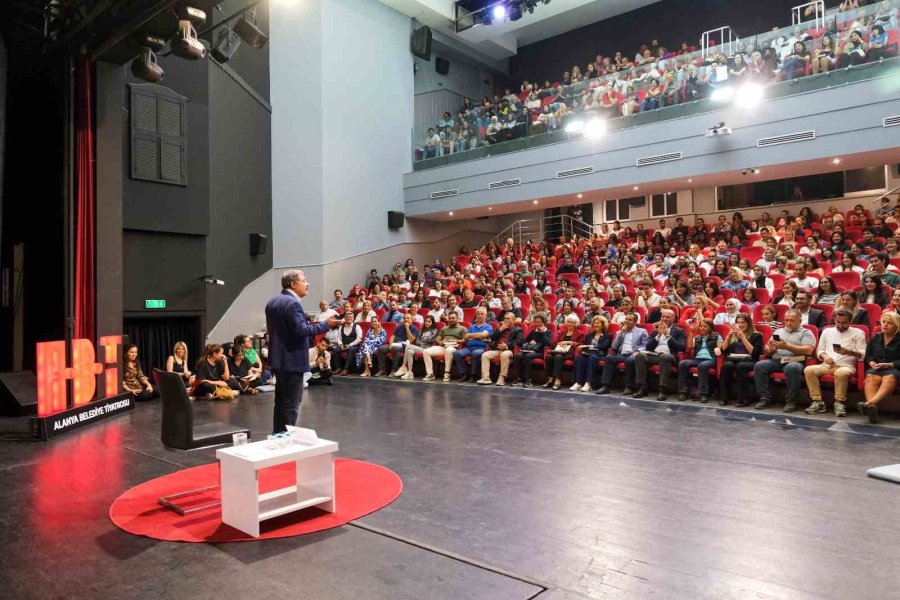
502,343
665,343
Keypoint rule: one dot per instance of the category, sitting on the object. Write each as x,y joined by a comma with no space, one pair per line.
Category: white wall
464,78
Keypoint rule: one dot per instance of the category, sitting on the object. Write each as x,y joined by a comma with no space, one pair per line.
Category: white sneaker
501,381
446,377
484,381
408,375
429,377
586,388
401,372
575,387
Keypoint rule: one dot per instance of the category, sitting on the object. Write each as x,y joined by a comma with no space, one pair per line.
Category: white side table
243,507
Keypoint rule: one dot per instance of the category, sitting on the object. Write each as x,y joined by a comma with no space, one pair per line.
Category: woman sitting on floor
134,379
178,363
212,379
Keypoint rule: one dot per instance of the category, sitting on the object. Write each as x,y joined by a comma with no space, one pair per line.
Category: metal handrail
543,227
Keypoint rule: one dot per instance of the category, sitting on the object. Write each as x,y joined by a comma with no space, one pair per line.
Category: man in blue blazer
289,340
625,348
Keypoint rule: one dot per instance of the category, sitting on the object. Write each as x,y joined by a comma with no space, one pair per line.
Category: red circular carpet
360,488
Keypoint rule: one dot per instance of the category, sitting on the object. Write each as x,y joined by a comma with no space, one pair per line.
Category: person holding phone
704,347
839,349
791,341
741,348
882,362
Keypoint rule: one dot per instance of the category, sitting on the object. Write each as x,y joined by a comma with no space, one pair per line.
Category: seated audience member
568,337
501,344
855,51
827,292
532,348
134,379
452,308
741,348
839,349
705,349
405,334
894,306
338,302
212,375
366,314
320,364
476,343
345,338
595,346
748,298
426,338
882,361
250,354
802,279
786,353
849,302
624,350
469,300
626,309
878,266
663,346
241,372
373,340
393,315
732,310
809,315
647,296
325,312
873,292
178,362
770,317
787,295
445,346
735,281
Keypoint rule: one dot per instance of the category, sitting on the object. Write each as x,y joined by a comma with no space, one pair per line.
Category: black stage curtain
156,336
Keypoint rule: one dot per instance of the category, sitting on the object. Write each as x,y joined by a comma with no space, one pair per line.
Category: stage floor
508,494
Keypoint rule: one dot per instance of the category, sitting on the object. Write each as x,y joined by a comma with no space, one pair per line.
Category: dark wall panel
154,206
671,22
164,266
240,189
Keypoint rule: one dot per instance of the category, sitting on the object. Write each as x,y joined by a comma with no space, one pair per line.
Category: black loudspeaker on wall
420,43
258,243
18,393
395,219
441,65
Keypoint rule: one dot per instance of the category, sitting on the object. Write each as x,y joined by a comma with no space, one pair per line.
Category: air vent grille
652,160
788,138
891,121
496,185
443,194
574,172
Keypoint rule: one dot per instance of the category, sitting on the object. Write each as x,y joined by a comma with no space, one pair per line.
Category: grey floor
508,493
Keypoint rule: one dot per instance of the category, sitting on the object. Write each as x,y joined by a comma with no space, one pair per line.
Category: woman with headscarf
732,310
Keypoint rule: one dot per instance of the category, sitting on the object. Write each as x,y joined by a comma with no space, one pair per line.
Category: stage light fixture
196,16
145,66
498,13
186,43
748,96
249,31
722,94
575,127
595,128
227,44
211,280
515,12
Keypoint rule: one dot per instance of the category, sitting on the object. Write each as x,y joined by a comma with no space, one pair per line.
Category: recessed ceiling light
451,213
535,202
690,180
836,161
635,187
580,195
490,208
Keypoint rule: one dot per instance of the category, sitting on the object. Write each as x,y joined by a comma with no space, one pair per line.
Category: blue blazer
289,333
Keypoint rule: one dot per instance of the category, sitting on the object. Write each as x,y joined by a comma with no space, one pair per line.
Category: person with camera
704,343
741,348
787,352
624,350
840,348
405,334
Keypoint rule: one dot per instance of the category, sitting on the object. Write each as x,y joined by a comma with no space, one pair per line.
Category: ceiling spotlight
750,95
595,128
515,12
186,44
490,208
227,44
690,180
836,161
451,213
498,12
580,195
145,67
575,127
722,94
635,188
188,13
535,202
249,31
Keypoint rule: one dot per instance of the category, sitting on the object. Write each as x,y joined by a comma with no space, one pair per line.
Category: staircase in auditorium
544,228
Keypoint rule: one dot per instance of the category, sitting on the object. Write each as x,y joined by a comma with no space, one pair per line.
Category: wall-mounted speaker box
442,65
420,43
258,243
395,219
18,393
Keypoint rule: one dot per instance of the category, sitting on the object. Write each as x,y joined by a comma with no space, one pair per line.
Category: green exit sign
154,303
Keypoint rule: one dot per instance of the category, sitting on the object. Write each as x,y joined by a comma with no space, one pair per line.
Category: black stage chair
178,429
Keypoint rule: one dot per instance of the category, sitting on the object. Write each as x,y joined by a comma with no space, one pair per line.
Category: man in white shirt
665,231
432,144
803,281
839,349
325,312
